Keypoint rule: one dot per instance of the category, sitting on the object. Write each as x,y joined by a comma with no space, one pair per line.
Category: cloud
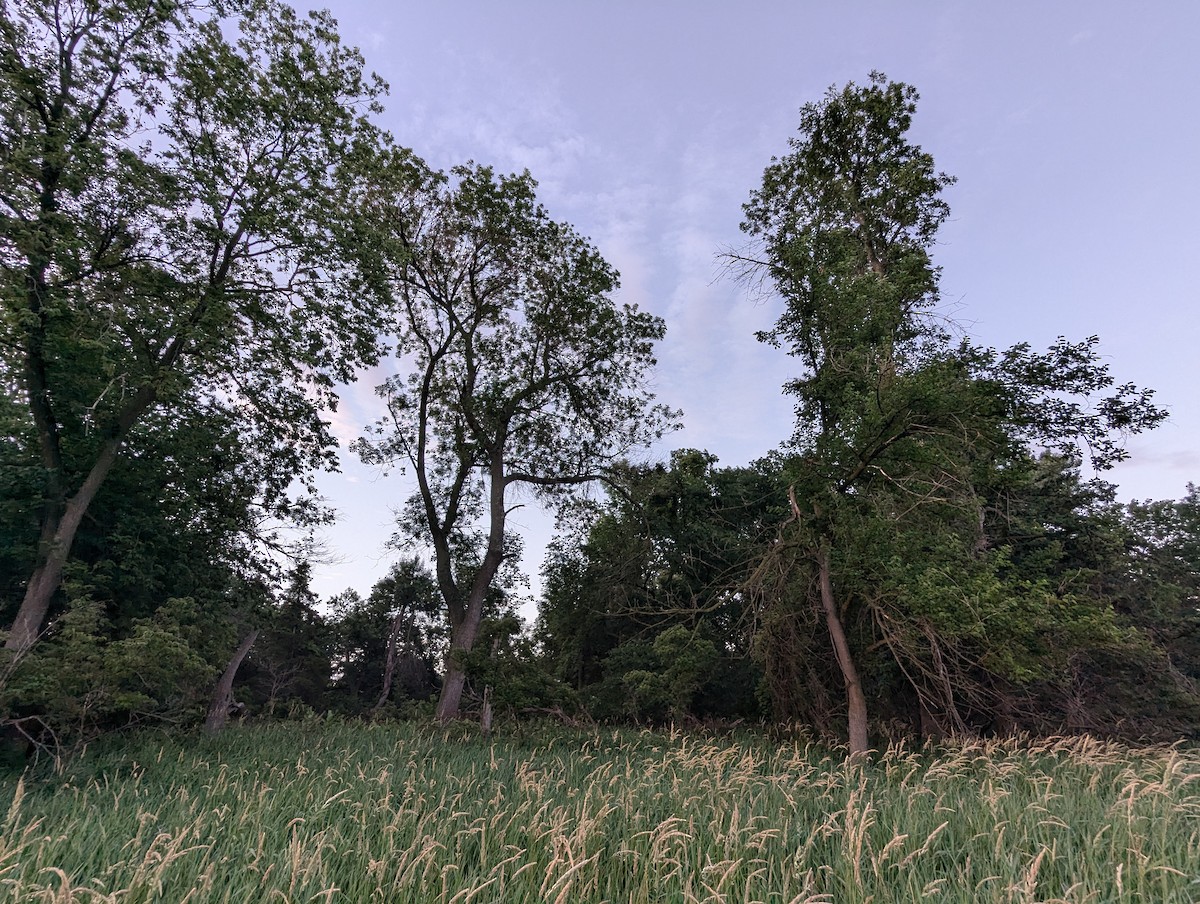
1160,465
343,423
1146,454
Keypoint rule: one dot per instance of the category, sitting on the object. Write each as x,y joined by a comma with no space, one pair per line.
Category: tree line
205,233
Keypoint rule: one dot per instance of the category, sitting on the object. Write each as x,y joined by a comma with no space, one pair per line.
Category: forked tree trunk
465,621
455,679
856,702
218,710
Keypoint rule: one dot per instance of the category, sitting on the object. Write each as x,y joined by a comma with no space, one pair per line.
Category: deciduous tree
895,422
522,371
388,641
666,552
172,227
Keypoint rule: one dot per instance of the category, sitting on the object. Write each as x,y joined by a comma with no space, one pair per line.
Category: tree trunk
462,639
464,629
485,714
856,702
452,689
222,696
28,624
48,575
389,667
456,676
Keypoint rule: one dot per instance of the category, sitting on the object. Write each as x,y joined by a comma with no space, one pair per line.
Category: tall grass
336,812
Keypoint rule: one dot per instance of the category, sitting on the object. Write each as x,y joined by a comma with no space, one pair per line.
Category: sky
1072,128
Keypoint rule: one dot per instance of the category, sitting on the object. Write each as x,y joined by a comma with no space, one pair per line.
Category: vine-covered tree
523,371
895,423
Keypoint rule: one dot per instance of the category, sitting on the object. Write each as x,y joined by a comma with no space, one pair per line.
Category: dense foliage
522,371
932,555
203,234
1052,608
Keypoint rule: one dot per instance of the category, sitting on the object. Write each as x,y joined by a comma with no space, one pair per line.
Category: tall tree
892,417
524,371
172,227
847,219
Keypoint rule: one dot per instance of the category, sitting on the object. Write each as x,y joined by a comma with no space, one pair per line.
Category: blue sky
1072,127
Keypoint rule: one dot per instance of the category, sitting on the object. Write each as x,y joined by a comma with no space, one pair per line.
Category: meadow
329,812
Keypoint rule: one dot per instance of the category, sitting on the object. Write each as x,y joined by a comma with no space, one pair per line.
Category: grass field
327,812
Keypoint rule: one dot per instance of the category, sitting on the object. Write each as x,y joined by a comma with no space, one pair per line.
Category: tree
1161,594
524,372
847,220
659,562
894,421
1164,539
389,640
291,661
222,696
172,228
177,522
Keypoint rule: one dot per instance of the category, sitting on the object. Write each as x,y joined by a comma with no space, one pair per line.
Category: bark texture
218,710
856,701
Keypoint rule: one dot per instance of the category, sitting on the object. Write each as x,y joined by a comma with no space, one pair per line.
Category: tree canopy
172,232
204,235
521,370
